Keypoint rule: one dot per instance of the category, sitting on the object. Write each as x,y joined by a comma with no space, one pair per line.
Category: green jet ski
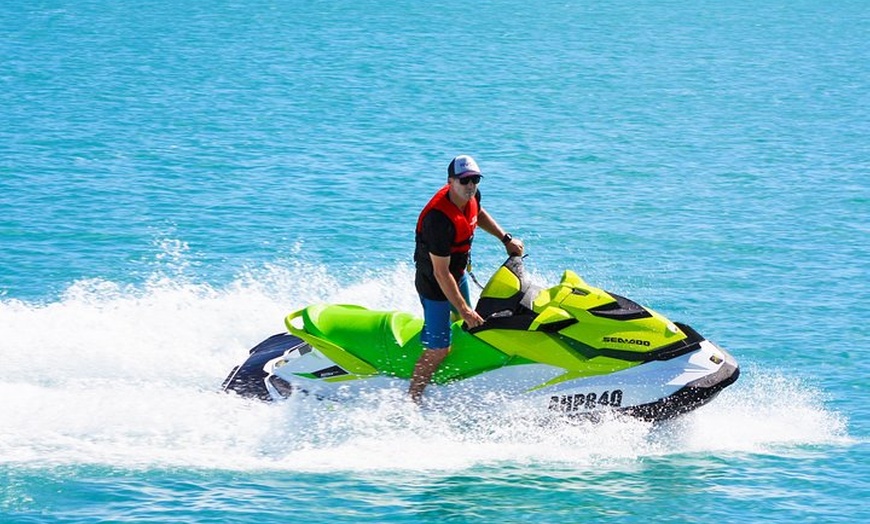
571,348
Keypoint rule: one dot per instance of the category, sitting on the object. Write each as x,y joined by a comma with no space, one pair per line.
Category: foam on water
129,375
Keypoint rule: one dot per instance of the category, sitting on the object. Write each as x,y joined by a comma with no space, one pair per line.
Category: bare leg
426,366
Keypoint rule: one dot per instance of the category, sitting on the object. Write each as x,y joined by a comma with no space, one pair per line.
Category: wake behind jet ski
571,348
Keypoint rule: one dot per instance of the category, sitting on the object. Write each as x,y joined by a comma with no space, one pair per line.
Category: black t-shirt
436,237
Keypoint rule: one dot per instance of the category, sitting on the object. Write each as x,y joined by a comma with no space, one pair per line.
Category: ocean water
175,177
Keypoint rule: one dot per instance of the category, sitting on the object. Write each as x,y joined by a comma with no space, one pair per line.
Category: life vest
464,222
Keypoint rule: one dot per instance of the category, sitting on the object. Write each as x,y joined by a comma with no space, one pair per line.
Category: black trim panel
622,309
686,399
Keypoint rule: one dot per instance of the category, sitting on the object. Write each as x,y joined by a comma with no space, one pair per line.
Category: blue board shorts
436,318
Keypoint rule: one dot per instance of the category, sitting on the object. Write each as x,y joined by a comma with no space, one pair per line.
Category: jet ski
570,349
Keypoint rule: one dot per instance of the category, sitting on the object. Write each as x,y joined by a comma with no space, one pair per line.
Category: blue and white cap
462,166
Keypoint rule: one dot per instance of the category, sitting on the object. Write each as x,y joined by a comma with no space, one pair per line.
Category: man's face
466,187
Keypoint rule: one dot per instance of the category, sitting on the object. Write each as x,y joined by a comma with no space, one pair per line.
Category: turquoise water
177,176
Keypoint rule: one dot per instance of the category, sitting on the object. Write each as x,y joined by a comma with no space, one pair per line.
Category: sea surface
176,176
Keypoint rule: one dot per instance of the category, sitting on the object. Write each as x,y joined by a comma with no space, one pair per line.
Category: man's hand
471,317
515,247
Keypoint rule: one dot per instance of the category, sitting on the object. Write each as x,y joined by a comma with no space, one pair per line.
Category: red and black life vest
464,221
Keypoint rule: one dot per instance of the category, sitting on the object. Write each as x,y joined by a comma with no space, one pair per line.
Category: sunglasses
473,179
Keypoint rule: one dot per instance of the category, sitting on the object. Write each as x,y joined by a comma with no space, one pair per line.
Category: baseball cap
462,166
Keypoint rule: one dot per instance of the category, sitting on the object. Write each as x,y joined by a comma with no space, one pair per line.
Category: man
445,230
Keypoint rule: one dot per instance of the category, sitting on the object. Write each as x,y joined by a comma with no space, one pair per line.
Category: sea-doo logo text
632,341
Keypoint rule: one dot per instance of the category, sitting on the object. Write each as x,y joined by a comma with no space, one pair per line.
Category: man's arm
441,266
488,224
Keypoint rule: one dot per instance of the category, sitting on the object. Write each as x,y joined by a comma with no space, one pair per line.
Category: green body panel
469,355
541,348
362,341
639,335
575,297
503,284
366,342
549,315
534,346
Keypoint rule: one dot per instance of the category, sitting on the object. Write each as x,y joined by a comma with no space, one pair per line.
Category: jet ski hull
285,365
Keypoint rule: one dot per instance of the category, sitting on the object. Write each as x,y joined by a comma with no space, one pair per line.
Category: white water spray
129,376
